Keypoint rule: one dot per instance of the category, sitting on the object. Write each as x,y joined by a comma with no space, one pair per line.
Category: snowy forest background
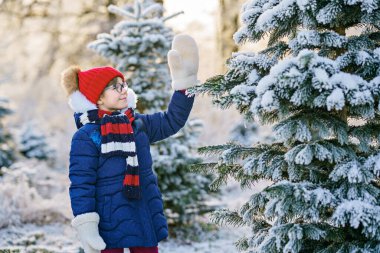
310,186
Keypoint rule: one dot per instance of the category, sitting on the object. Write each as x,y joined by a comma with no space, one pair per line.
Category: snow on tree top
310,71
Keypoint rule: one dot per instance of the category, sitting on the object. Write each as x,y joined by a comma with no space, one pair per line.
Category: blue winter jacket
96,182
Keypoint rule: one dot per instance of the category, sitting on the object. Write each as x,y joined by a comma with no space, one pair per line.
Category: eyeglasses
119,87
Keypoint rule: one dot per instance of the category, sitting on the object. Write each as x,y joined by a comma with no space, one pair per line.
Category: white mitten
183,60
88,233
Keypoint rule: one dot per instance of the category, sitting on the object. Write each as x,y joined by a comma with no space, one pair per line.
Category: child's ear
100,100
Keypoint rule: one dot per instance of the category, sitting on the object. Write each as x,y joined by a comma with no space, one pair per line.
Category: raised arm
161,125
183,60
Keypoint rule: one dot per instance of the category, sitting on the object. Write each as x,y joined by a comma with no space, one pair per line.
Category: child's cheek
123,102
118,101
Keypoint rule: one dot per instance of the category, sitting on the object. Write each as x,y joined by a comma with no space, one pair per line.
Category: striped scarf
118,140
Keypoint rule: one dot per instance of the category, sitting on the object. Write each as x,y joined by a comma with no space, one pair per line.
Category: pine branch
227,217
221,172
286,28
211,86
150,9
173,16
367,135
242,244
119,11
214,150
203,168
220,180
278,50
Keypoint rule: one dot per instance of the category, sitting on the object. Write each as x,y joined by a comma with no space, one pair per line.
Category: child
114,194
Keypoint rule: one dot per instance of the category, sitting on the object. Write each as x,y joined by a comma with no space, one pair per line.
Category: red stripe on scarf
131,180
120,128
101,113
128,112
130,115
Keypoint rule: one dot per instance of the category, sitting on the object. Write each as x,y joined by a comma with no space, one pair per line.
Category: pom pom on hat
69,79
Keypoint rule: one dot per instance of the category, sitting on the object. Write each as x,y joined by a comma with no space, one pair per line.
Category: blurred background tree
32,142
6,147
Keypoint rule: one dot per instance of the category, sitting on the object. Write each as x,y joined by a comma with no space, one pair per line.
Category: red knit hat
93,81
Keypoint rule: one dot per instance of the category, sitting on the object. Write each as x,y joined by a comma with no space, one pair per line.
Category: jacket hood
79,103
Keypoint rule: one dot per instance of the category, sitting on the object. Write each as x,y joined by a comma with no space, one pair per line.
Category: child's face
114,97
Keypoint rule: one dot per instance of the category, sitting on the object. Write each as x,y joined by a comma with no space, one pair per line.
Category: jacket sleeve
161,125
84,158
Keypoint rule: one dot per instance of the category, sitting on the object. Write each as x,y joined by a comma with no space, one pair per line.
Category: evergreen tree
6,150
138,46
32,143
320,88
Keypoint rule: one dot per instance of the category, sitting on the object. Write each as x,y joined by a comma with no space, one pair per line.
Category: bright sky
200,11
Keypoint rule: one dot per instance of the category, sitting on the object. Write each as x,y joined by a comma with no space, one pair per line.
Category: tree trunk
228,25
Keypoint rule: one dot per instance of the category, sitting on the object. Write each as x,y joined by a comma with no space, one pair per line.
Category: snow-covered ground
58,238
52,232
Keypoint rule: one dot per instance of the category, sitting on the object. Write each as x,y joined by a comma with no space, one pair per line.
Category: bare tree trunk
228,25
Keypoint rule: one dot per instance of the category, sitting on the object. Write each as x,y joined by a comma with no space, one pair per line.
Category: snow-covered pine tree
32,143
6,150
319,86
138,46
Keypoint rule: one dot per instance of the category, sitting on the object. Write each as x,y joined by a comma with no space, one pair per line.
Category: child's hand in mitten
183,60
88,233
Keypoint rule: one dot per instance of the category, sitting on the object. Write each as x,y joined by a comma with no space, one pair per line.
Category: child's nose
124,91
